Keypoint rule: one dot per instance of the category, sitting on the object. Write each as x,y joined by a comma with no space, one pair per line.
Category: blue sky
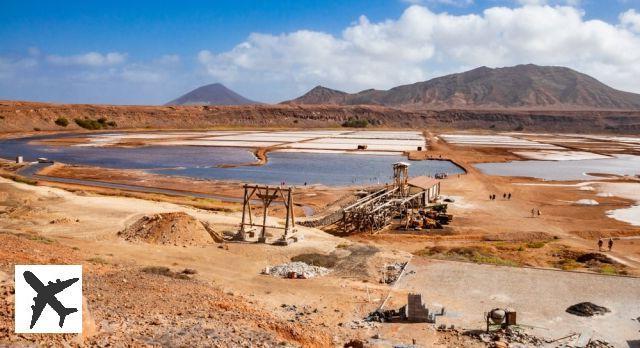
148,52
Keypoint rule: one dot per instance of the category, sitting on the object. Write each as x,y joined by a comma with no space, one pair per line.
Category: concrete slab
540,297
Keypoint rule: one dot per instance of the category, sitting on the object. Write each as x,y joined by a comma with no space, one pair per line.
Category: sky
150,52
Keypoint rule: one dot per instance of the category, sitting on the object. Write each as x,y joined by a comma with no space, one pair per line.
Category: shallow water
202,162
315,168
565,170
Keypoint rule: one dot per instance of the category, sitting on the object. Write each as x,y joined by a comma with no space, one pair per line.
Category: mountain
213,94
522,87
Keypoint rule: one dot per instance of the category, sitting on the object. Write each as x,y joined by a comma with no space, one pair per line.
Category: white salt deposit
587,202
553,155
359,152
218,143
631,191
494,141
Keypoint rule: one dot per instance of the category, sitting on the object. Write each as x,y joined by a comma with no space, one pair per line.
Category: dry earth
20,116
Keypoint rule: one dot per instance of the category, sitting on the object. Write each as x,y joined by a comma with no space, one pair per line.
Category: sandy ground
88,224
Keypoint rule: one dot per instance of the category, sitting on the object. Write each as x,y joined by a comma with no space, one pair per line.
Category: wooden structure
400,178
267,195
430,187
374,211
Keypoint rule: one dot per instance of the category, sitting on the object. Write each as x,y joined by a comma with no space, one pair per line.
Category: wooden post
241,233
265,204
289,209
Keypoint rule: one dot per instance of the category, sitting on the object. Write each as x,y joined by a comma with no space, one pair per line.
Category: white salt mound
298,267
587,202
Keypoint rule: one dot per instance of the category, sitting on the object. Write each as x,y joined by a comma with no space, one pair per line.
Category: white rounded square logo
48,299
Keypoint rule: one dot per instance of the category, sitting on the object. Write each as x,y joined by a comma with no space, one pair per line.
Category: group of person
601,242
535,212
506,196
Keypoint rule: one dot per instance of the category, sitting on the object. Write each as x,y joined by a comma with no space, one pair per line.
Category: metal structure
266,195
374,211
501,318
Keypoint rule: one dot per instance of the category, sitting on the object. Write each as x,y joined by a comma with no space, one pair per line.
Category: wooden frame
266,195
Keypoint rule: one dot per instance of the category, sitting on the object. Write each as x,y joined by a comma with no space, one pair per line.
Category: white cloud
458,3
549,2
423,44
94,59
10,67
631,19
168,59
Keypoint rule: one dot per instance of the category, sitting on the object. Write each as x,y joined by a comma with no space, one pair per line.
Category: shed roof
423,182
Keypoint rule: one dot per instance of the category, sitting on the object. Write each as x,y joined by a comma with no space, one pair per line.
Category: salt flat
494,141
552,155
321,141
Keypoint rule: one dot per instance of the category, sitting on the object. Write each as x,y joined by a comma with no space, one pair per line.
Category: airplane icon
47,296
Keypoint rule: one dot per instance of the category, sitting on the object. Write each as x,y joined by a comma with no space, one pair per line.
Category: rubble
296,270
508,337
587,309
392,272
599,344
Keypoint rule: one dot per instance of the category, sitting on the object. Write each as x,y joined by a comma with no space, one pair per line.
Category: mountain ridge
519,87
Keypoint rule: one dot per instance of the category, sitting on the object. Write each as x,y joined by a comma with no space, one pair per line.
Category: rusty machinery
502,318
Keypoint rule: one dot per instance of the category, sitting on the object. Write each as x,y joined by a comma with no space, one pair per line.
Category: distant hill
522,87
213,94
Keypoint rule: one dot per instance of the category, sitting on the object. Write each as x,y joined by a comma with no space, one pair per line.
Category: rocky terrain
523,86
124,310
213,94
18,116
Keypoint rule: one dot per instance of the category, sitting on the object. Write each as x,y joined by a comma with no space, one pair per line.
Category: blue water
319,168
565,170
202,161
148,157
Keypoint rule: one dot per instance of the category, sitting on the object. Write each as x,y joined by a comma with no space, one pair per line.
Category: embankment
17,116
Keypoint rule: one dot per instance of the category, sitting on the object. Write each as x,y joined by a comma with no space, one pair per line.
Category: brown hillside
519,87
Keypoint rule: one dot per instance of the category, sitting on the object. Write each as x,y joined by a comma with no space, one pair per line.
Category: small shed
430,186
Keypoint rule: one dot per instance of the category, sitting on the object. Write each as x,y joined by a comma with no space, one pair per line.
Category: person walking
533,212
504,196
610,244
600,244
539,213
509,196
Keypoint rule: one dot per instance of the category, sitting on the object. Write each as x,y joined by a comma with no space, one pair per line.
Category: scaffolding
376,210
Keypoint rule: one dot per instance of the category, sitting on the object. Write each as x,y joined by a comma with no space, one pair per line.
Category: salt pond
322,168
335,169
565,170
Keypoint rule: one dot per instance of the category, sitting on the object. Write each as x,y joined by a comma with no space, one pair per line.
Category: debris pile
392,272
300,314
179,229
296,270
187,273
587,309
506,337
599,344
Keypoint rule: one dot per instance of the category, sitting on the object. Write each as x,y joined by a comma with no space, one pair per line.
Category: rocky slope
519,87
213,94
29,117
